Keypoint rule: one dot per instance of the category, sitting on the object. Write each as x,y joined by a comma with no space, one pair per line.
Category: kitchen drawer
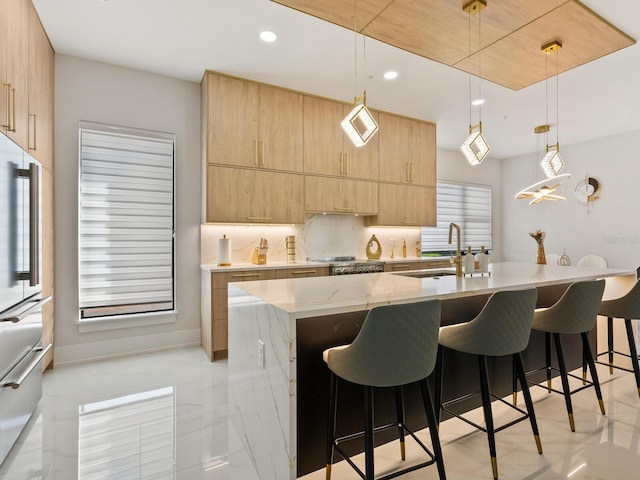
302,272
220,280
399,267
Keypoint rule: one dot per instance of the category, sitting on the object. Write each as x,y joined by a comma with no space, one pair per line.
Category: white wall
92,91
610,228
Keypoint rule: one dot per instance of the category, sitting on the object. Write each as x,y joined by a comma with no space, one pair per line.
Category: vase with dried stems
538,236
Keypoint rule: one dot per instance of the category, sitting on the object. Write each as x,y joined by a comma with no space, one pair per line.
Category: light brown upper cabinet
407,150
252,125
328,150
41,73
340,195
405,206
242,195
15,82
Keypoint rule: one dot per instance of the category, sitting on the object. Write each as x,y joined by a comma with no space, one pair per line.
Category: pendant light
475,148
359,124
552,162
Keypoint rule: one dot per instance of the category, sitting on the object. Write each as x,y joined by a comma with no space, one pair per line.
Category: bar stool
575,312
501,328
397,345
627,307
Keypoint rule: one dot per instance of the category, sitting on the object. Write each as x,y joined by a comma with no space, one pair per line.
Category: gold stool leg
572,424
538,444
328,472
494,466
402,451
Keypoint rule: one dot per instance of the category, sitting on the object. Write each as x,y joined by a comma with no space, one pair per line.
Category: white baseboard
123,347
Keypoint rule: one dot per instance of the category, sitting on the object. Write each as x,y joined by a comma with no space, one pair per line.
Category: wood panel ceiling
512,33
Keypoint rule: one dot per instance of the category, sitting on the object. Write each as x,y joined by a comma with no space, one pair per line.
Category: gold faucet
458,259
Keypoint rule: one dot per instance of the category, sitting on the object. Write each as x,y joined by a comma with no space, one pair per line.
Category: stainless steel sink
427,273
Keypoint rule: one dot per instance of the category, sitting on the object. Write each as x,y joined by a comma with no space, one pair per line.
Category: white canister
224,252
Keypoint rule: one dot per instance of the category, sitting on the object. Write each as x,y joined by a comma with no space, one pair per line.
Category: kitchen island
278,328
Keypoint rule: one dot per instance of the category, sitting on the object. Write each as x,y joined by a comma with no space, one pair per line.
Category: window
469,206
126,221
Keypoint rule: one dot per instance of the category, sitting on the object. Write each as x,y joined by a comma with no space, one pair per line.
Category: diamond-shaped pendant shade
359,125
475,147
551,163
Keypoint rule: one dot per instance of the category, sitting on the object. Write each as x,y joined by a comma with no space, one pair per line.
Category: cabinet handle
7,123
13,110
406,172
343,209
34,132
245,275
341,163
302,272
399,267
259,218
262,159
346,164
411,172
409,223
255,153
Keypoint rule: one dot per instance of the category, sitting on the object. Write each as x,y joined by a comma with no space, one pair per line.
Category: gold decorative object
538,236
374,249
418,250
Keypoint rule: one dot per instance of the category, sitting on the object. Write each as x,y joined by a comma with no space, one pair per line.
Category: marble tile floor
162,416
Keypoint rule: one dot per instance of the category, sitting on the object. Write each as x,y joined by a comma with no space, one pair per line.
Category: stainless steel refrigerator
21,301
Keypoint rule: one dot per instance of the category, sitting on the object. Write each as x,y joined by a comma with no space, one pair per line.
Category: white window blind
469,206
126,221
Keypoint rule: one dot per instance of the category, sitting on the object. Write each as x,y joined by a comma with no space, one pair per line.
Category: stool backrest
627,306
595,261
396,345
577,309
503,326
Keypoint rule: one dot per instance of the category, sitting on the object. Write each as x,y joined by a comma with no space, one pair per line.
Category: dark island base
314,335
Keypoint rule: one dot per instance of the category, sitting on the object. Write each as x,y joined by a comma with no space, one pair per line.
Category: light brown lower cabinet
240,195
337,195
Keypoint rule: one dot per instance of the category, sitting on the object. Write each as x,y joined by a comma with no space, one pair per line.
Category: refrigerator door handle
38,354
25,313
33,275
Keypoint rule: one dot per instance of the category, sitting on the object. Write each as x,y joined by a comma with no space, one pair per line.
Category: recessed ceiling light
390,75
477,101
268,36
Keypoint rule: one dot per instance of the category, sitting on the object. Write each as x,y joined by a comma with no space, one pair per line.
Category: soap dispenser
482,259
469,262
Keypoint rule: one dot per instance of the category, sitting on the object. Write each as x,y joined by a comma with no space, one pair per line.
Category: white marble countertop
309,297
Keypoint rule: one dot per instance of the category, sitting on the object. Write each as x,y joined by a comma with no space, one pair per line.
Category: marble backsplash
319,236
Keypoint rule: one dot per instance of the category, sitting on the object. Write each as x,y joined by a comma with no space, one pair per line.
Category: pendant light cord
480,65
470,110
557,105
546,96
355,49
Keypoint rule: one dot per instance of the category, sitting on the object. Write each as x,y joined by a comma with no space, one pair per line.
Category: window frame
136,318
442,228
